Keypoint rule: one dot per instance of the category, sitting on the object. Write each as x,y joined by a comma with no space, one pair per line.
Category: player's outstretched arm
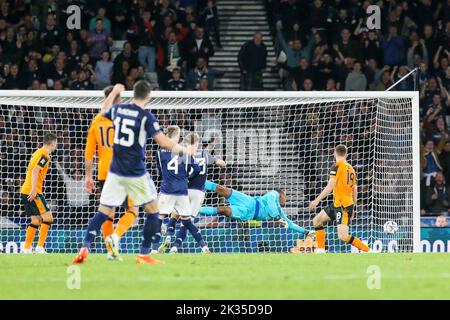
328,189
109,101
164,142
291,225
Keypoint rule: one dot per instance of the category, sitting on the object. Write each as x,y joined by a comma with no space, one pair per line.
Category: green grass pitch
229,276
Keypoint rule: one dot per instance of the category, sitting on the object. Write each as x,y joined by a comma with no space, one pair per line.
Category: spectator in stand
430,162
252,60
303,71
356,80
121,18
147,40
347,47
173,50
101,14
201,71
51,34
82,82
103,71
120,75
393,46
444,158
294,51
176,82
437,197
406,84
57,72
31,73
99,40
209,18
127,54
13,80
199,47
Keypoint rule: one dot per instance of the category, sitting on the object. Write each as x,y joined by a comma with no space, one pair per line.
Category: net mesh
267,143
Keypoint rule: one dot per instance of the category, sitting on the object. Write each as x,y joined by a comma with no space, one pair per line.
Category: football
390,227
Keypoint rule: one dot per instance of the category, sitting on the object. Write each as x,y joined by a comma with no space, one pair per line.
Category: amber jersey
40,159
100,139
345,177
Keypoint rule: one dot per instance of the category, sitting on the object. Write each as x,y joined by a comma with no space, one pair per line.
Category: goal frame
351,95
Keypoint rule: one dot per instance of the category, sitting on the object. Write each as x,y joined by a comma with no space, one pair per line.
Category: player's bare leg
347,238
104,213
319,221
152,226
46,222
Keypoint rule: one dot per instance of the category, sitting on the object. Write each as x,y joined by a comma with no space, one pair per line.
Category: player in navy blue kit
128,175
196,192
175,170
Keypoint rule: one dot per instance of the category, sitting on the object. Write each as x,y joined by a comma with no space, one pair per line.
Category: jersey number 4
123,129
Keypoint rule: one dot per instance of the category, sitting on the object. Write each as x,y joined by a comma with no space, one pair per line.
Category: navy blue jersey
132,126
203,159
175,170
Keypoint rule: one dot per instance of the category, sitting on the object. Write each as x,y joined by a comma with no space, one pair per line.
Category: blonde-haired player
100,141
342,183
32,198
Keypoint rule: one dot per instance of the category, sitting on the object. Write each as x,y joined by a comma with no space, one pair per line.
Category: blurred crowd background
320,45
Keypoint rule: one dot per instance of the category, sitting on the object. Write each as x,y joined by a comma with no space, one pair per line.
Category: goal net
268,139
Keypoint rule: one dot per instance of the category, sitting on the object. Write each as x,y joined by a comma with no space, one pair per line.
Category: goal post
268,139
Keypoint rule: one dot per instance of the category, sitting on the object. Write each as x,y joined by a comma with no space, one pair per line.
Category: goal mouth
268,139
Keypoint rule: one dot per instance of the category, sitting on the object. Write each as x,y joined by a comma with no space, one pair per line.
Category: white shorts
167,203
140,190
196,197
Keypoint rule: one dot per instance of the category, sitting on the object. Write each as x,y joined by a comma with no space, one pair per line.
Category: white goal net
268,139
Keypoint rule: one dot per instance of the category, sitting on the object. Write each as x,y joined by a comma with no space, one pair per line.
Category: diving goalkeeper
260,208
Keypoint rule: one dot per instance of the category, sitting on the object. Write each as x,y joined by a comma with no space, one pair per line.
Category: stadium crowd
327,45
321,45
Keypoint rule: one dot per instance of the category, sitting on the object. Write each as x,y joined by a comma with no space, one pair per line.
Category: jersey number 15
123,129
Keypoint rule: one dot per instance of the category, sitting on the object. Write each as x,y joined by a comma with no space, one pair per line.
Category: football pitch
228,276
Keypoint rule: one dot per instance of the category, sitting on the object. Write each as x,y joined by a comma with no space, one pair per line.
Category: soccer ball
390,227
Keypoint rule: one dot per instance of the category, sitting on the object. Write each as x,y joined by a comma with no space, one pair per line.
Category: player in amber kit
100,140
32,198
342,183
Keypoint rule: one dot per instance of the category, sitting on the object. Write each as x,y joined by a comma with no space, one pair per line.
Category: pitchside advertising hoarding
234,240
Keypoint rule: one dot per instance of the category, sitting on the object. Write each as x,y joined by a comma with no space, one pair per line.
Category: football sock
125,223
171,226
93,228
194,231
30,234
320,237
354,241
157,237
210,186
107,230
43,232
152,225
208,211
181,235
